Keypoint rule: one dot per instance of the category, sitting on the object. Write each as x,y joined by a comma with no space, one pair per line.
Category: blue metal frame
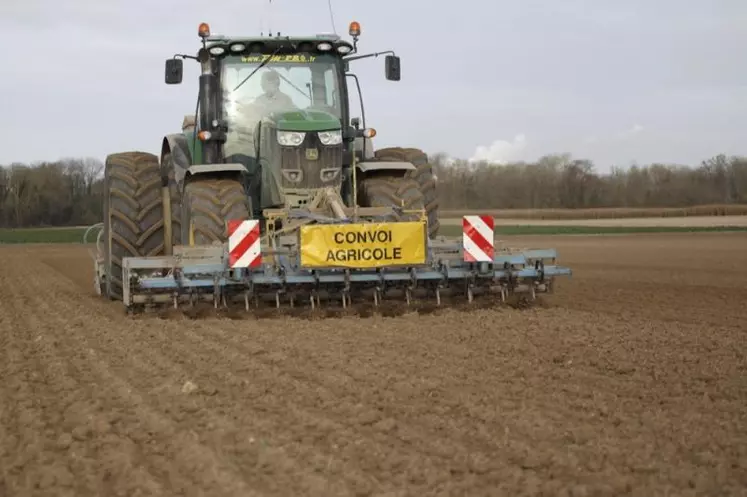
215,276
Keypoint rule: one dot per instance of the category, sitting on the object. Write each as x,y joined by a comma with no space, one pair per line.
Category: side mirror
349,133
355,122
391,64
174,71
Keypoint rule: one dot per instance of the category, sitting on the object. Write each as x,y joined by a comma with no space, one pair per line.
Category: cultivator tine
314,299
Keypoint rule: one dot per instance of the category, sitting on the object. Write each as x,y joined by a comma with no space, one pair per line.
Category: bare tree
70,191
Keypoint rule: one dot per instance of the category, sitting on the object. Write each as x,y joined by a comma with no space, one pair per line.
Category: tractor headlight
291,138
330,137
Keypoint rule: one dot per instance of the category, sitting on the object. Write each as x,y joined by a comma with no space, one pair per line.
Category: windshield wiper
260,66
299,90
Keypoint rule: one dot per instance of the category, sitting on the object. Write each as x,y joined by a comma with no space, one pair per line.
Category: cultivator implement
338,255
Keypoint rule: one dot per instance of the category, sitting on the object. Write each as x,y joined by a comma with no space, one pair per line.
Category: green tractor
271,129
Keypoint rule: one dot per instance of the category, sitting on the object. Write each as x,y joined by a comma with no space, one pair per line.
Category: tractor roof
329,43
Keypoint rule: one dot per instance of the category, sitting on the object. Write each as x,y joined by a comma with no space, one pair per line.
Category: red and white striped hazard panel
478,238
243,243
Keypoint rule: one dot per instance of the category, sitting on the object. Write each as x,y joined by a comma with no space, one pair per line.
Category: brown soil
631,380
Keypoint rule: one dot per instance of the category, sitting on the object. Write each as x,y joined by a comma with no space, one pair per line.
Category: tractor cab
279,107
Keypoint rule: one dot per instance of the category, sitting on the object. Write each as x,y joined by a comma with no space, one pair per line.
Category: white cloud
450,161
501,151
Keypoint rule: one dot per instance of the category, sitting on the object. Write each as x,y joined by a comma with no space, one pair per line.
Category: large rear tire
151,216
133,215
423,175
384,190
207,203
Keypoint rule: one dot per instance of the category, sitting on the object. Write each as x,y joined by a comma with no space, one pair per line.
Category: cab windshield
286,83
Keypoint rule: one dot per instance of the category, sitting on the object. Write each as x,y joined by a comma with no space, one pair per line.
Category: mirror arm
376,54
185,56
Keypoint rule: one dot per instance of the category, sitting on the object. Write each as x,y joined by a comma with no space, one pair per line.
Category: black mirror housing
392,69
174,71
349,133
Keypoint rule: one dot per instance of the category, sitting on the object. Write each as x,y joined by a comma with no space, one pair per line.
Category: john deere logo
312,154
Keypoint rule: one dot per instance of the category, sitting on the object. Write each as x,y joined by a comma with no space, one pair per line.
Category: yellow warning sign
369,245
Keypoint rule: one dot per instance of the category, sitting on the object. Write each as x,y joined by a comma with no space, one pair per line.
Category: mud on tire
151,208
207,203
133,213
384,190
424,176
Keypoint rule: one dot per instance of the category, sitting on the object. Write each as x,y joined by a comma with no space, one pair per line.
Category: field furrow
631,380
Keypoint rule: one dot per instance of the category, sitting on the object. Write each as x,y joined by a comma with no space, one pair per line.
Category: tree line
69,192
562,182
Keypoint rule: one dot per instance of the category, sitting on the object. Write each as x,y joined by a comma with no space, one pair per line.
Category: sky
618,82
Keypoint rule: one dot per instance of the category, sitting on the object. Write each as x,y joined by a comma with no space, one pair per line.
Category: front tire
423,175
385,190
207,203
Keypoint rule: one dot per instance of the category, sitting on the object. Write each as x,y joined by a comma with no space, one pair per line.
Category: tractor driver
273,100
241,145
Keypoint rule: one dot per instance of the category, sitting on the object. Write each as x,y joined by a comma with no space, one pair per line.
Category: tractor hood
307,120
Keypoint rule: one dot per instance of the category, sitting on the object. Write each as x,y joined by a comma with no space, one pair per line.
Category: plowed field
631,380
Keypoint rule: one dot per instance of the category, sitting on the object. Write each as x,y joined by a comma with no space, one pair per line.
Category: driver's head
270,82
